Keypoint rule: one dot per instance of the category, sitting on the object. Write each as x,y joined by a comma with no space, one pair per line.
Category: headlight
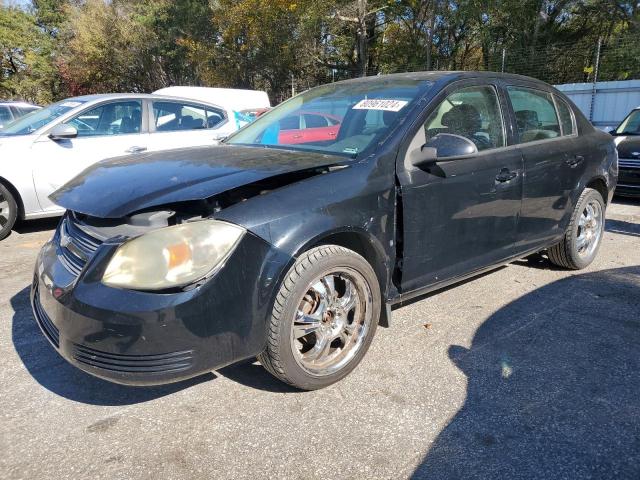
172,256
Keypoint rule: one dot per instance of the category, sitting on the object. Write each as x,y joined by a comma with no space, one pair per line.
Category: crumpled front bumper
146,338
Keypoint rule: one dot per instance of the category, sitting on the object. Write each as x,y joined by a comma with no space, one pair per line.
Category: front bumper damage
145,338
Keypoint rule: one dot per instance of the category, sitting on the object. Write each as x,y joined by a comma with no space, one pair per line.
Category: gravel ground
526,372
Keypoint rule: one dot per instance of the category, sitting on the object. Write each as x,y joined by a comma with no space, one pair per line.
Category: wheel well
599,185
5,183
360,244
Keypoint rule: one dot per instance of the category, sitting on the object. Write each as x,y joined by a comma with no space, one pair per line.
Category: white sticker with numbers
380,104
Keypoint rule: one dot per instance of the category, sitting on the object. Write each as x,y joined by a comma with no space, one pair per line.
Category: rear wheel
583,237
324,318
8,212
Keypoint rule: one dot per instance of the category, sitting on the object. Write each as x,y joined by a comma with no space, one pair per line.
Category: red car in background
306,127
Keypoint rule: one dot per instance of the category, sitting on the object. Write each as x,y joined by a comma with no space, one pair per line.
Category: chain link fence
586,60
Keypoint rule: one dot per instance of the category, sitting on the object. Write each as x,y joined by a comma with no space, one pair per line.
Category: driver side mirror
63,131
442,146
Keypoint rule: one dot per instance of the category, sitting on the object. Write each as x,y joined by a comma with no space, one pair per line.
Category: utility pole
504,58
293,85
595,80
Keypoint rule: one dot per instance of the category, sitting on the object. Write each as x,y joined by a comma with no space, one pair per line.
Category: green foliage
26,67
63,47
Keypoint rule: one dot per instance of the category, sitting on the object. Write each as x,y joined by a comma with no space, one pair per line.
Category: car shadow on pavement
252,374
553,382
39,225
51,371
624,228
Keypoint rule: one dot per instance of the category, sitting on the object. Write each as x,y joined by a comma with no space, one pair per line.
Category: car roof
450,75
118,96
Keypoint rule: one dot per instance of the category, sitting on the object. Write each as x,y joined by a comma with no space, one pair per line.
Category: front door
461,214
108,130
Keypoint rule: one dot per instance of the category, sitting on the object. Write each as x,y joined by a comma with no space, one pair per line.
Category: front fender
358,199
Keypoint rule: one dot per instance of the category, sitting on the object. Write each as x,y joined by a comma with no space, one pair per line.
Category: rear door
291,130
462,214
548,163
179,124
319,128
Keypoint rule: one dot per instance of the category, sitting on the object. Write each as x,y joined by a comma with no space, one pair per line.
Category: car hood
628,146
121,186
15,141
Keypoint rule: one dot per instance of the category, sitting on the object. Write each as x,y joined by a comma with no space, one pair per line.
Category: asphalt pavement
526,372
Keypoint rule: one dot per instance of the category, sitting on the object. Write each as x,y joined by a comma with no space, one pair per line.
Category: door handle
506,175
297,136
575,161
135,149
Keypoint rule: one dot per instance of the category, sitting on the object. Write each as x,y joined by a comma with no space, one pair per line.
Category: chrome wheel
589,228
331,322
5,213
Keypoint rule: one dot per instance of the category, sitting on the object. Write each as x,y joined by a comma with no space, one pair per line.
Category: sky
18,3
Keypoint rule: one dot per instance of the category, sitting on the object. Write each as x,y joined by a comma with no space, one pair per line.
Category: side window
214,117
177,116
473,113
315,121
291,122
535,112
5,115
117,118
566,119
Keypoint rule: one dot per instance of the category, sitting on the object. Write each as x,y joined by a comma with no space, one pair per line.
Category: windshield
341,118
630,125
35,120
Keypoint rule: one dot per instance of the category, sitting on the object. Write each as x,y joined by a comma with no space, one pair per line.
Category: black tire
279,357
8,212
566,253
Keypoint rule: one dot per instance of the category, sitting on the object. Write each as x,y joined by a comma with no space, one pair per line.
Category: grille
628,163
44,321
75,246
162,363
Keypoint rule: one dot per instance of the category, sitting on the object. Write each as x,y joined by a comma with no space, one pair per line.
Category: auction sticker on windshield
380,104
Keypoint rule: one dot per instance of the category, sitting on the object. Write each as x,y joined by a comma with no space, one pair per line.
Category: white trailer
605,104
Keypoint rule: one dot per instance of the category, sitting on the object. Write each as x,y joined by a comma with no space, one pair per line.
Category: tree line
53,49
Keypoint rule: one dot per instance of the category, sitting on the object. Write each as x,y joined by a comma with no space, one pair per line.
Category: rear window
566,118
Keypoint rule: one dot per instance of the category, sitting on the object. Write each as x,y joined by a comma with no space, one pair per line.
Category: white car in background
240,105
41,151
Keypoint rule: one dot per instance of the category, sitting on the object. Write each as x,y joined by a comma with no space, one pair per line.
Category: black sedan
170,264
628,142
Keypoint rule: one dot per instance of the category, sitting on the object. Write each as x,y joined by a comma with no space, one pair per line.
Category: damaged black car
291,241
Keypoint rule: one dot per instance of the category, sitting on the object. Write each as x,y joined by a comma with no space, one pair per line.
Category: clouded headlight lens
172,256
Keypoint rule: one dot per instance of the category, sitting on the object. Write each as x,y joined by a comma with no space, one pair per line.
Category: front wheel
324,318
8,212
584,234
